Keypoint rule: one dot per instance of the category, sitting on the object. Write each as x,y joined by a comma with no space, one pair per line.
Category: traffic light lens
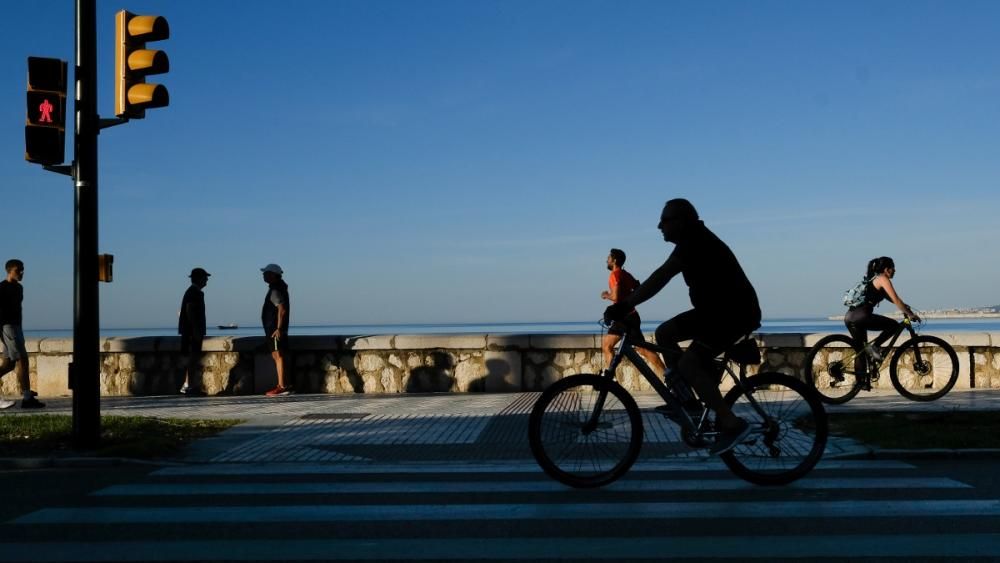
148,95
44,145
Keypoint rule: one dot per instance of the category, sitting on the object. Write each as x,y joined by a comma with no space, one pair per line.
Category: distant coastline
977,313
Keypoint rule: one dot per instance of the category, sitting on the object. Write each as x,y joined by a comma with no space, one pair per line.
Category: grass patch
952,430
121,436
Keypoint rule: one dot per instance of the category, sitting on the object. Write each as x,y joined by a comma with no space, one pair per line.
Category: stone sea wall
411,363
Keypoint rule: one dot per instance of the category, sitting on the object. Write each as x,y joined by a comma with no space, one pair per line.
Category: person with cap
274,316
191,327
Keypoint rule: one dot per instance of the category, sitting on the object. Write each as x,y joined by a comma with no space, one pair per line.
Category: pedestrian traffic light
45,130
133,62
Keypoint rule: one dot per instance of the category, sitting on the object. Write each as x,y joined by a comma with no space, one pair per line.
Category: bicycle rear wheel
829,367
928,377
789,429
571,452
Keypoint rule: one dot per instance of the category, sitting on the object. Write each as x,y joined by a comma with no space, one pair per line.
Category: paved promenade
433,428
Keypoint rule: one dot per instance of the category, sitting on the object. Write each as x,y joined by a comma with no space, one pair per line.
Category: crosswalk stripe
667,547
513,467
416,487
568,511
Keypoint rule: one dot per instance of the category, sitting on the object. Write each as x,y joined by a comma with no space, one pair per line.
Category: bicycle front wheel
789,429
574,447
830,368
924,368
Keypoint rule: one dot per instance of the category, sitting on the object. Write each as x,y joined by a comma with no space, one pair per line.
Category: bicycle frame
873,370
626,349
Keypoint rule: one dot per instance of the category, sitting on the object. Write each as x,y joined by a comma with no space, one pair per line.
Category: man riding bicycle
725,309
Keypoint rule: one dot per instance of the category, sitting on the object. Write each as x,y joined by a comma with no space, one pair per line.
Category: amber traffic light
133,62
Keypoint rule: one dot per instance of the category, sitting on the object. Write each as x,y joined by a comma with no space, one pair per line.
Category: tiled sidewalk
425,428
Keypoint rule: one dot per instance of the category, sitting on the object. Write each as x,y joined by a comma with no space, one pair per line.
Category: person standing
191,327
274,316
11,298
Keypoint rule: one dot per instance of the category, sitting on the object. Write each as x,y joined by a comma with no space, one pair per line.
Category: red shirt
625,283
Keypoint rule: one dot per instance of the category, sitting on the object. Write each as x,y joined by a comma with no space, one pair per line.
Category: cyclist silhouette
862,318
725,309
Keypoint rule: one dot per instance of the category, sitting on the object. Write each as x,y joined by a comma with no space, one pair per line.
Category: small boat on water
230,326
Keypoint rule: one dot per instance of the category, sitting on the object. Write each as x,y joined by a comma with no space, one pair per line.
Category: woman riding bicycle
862,318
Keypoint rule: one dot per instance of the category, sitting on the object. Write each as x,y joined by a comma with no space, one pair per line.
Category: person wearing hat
274,316
191,327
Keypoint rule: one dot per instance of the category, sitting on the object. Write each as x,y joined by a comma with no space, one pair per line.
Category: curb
77,462
935,453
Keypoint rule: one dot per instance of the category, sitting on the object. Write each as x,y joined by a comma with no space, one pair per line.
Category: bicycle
586,430
923,368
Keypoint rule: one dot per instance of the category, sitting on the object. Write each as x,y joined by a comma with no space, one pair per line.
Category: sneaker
279,391
729,439
692,407
192,392
32,403
5,404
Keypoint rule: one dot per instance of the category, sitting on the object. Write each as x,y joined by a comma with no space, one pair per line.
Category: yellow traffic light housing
133,62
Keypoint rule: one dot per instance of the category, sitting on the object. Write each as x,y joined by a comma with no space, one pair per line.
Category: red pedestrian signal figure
46,109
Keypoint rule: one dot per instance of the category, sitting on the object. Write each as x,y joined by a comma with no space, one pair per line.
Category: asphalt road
861,510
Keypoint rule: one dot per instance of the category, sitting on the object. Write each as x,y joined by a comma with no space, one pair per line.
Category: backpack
855,296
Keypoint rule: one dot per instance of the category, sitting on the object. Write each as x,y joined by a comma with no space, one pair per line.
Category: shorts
13,342
713,333
631,324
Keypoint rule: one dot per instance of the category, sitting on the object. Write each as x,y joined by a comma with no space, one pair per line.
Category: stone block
369,362
134,345
977,339
217,344
52,375
782,340
377,342
316,343
265,375
445,341
248,343
810,340
508,341
32,345
563,341
470,375
964,380
55,346
503,371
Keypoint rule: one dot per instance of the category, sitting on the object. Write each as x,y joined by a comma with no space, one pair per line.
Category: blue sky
454,161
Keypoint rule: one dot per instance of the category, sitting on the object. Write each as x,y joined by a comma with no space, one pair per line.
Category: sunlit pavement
427,428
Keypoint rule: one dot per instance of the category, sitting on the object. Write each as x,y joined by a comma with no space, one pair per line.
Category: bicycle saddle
745,352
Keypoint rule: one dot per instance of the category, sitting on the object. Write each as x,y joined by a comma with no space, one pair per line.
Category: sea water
803,325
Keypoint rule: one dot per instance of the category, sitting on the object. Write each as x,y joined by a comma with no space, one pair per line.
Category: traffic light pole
85,369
